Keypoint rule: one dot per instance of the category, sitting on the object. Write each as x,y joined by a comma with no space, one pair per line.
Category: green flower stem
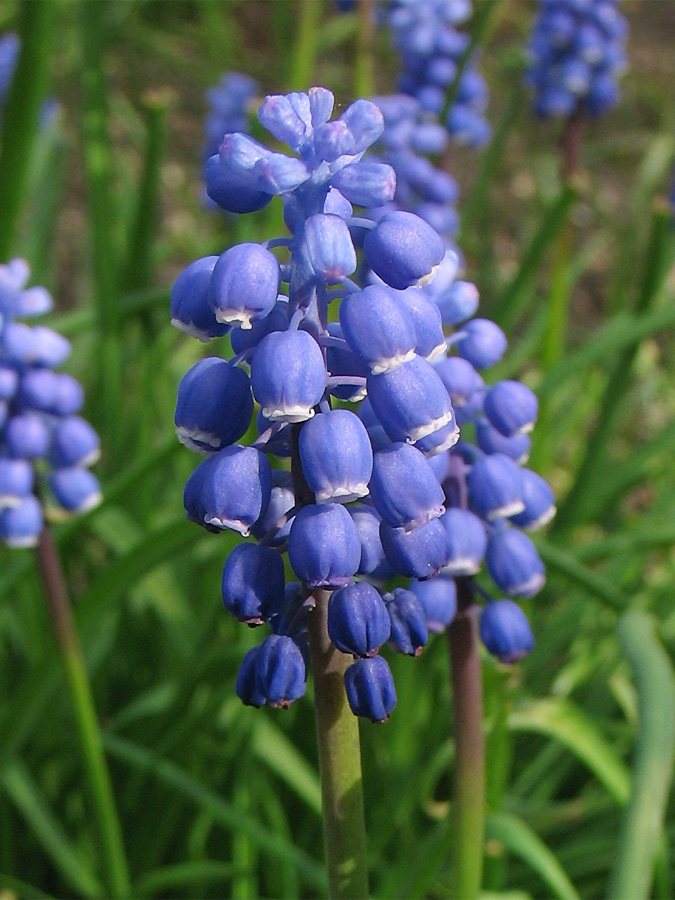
469,784
305,50
364,64
337,732
85,715
20,118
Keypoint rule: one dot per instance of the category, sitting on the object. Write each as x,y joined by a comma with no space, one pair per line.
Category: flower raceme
41,433
368,490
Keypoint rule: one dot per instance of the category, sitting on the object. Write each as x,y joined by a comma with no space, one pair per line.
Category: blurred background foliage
216,799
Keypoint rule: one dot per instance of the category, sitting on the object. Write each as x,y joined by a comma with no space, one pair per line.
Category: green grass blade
272,747
182,876
653,767
572,569
220,809
520,840
33,806
566,723
17,887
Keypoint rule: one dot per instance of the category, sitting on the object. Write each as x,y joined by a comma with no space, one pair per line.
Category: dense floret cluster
425,35
577,53
45,446
228,107
410,136
369,486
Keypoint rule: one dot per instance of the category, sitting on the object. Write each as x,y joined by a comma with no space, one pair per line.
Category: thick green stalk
337,731
469,782
21,113
364,64
84,712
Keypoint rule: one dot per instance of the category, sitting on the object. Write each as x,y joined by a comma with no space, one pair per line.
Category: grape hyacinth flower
431,47
45,446
576,56
228,106
9,51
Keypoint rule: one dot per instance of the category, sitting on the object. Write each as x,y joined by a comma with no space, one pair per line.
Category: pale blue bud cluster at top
228,107
368,495
425,35
576,56
45,446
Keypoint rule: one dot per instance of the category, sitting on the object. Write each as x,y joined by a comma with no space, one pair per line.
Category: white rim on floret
543,519
9,501
231,524
343,494
450,441
88,503
393,362
29,540
195,439
423,431
235,317
463,565
438,352
92,457
529,588
428,278
202,336
503,512
290,414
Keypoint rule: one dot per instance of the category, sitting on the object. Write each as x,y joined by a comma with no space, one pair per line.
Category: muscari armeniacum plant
368,494
46,447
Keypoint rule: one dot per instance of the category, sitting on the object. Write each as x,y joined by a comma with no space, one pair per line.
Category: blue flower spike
505,631
386,487
45,447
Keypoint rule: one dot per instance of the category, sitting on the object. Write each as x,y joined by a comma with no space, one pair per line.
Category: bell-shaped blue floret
495,487
458,302
412,403
403,487
539,502
321,102
49,347
438,597
336,456
243,339
190,308
288,375
426,317
288,118
37,390
259,168
366,183
467,539
402,249
342,361
378,328
460,378
74,443
418,554
370,688
288,615
230,489
491,441
337,204
68,395
214,405
511,408
513,563
75,488
482,342
244,284
373,561
409,632
27,435
252,583
324,547
505,631
281,674
354,131
358,621
329,247
246,686
20,525
9,382
16,481
274,525
376,433
232,189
